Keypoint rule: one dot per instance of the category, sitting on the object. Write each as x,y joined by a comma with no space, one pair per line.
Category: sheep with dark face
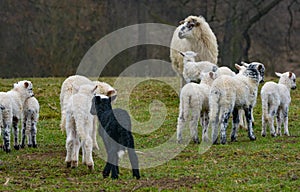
228,95
115,130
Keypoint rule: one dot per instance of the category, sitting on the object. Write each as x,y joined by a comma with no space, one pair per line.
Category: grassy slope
267,164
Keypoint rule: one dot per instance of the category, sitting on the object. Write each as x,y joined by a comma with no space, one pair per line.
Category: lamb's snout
293,88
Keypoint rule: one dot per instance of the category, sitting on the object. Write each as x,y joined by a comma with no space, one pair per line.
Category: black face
101,104
261,69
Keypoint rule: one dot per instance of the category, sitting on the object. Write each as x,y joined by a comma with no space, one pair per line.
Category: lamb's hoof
233,139
137,176
68,164
17,147
6,150
252,137
263,134
34,145
22,146
179,141
91,167
286,134
113,177
223,141
105,174
273,134
74,164
196,141
29,145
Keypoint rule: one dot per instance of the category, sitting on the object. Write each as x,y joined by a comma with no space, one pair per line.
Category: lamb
79,126
193,103
31,116
276,99
192,69
67,90
115,131
228,95
193,34
224,71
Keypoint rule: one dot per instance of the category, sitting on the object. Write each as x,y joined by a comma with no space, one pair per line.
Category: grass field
267,164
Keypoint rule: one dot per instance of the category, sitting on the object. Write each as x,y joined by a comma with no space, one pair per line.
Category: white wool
193,104
80,125
276,99
70,86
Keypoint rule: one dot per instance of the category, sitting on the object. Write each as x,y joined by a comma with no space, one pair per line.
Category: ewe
79,126
67,90
192,69
194,34
31,116
115,130
11,105
228,95
275,98
193,104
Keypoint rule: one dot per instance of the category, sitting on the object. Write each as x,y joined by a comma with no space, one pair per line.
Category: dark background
40,38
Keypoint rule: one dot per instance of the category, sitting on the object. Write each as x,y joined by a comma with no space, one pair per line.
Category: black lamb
115,130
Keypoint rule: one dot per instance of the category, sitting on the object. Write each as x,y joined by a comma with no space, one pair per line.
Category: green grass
267,164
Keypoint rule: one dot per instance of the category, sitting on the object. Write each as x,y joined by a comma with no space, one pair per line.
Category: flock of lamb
221,92
208,93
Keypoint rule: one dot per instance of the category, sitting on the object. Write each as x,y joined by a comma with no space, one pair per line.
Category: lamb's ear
26,84
245,64
181,22
259,67
211,75
290,74
278,74
238,67
181,53
111,93
93,108
197,24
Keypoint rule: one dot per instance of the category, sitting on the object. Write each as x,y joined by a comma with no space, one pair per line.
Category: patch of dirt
168,183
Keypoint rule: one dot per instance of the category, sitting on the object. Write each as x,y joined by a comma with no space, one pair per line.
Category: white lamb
67,90
275,98
79,126
11,104
228,95
192,69
193,103
31,116
194,34
224,71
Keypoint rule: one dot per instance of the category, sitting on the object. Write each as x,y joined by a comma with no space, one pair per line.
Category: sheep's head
106,89
259,66
208,77
188,56
188,25
287,78
25,88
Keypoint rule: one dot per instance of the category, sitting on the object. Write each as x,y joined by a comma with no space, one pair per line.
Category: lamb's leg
279,122
69,148
194,127
285,112
6,138
23,131
249,123
272,113
235,124
264,122
75,152
95,123
33,132
133,157
88,153
180,127
111,163
16,133
224,124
